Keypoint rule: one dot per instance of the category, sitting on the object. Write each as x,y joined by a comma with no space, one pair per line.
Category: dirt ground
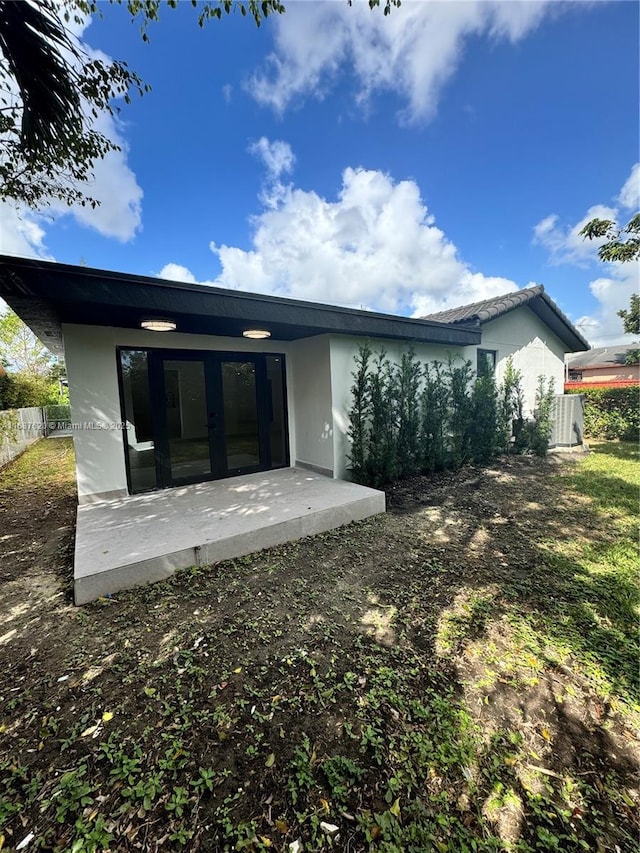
435,582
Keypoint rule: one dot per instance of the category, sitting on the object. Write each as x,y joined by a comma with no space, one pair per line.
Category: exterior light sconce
256,334
158,325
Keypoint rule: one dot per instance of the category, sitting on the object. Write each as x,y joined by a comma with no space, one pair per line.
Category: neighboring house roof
533,297
600,357
46,295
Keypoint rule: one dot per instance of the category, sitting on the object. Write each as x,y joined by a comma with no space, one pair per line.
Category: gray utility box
568,420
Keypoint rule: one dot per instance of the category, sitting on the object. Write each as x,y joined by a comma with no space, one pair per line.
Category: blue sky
445,154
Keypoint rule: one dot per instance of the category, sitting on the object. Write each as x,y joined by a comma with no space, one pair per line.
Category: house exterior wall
610,373
319,379
90,356
533,346
312,421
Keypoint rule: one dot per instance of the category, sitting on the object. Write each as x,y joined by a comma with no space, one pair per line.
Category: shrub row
412,417
611,412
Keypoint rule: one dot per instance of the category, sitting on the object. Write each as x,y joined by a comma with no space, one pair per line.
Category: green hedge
611,412
411,417
19,391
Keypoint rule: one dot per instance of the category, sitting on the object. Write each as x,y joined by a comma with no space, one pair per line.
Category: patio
138,540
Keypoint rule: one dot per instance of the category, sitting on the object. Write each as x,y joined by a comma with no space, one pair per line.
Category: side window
486,361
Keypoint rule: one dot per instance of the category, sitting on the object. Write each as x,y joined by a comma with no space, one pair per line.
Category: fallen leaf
89,731
282,826
329,828
266,841
546,734
295,846
395,809
108,715
237,669
628,798
271,760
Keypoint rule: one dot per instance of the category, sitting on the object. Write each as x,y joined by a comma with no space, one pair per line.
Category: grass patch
458,675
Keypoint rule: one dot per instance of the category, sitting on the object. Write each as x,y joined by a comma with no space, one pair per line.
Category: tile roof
601,356
535,297
488,309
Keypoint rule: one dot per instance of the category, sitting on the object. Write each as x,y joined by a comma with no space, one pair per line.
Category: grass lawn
460,674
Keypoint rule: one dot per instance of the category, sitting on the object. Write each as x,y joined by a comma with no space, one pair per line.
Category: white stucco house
240,382
174,384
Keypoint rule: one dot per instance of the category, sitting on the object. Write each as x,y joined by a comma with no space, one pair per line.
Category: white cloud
629,196
176,272
278,160
565,244
612,290
411,52
603,327
376,246
277,156
114,185
21,232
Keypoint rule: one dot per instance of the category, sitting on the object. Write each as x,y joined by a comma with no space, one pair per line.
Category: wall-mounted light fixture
158,325
256,334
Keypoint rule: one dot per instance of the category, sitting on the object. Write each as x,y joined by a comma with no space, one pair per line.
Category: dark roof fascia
50,292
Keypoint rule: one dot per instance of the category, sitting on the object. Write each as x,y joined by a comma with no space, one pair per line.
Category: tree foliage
20,349
631,316
52,91
22,390
622,244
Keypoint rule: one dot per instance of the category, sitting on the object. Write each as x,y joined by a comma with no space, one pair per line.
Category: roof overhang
46,295
546,309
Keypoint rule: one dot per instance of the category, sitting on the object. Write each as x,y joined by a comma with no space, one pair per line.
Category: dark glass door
194,416
238,409
187,444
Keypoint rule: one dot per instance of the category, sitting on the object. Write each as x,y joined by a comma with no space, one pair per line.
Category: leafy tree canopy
631,316
20,349
52,91
622,244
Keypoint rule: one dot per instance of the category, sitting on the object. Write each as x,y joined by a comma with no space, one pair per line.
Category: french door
193,416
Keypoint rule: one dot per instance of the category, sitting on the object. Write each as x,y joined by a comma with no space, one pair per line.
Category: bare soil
434,582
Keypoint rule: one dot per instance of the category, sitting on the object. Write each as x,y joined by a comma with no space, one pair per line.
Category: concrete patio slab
137,540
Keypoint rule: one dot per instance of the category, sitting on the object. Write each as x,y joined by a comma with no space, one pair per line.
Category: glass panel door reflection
187,421
240,414
140,445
